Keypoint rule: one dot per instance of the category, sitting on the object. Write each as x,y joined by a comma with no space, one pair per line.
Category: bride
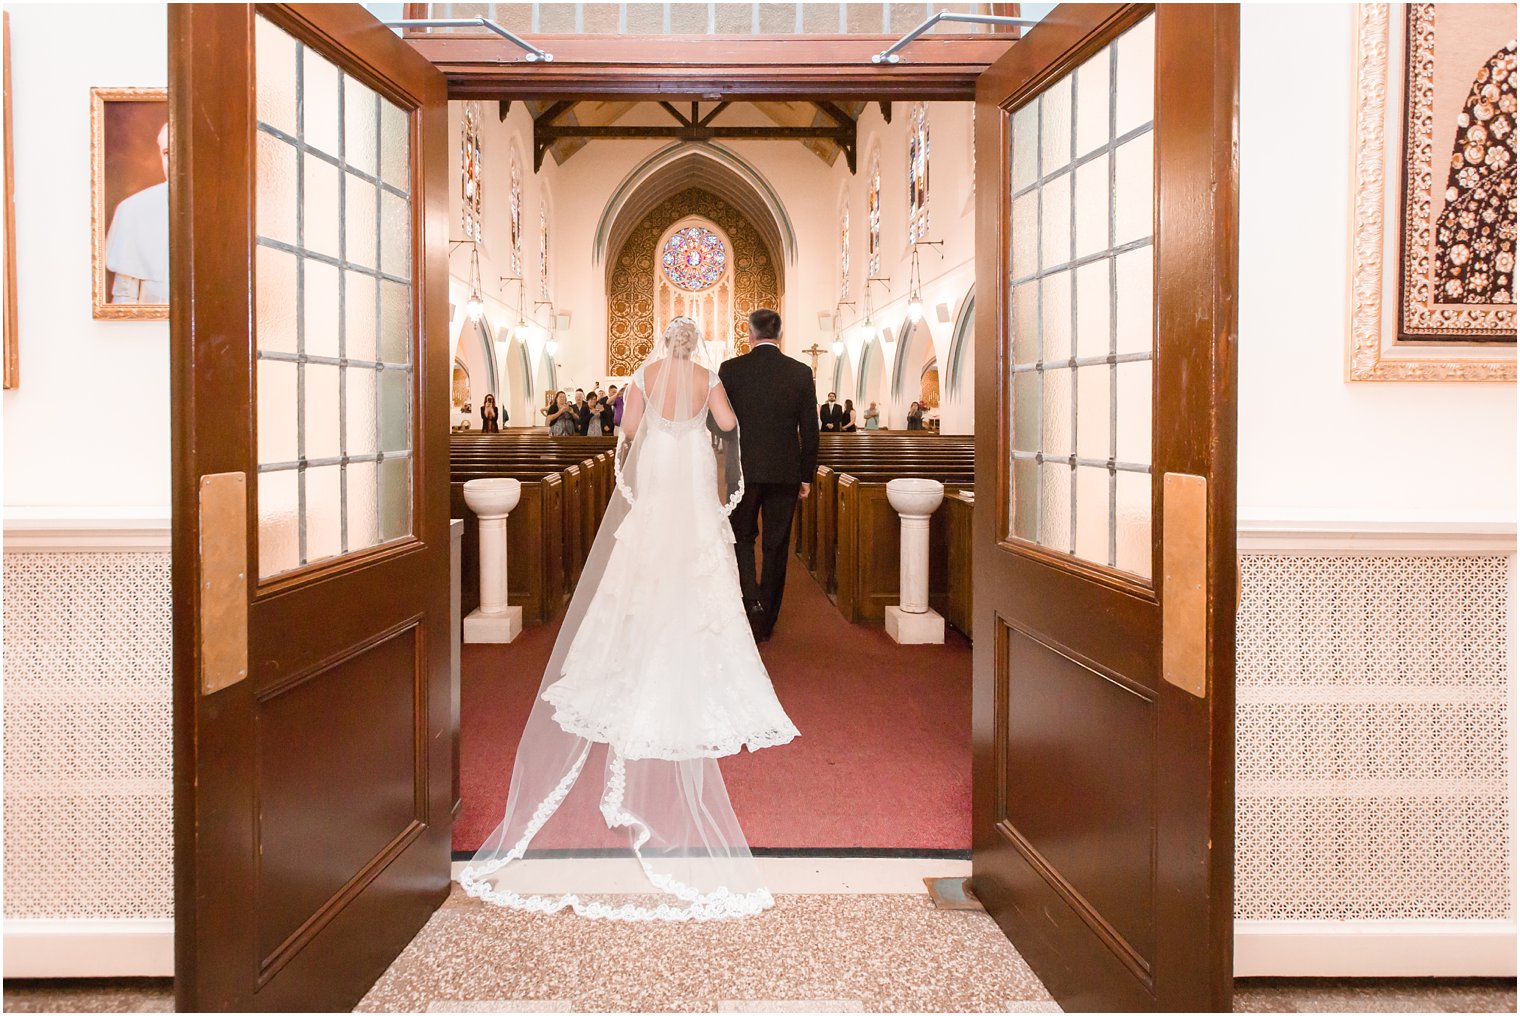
617,808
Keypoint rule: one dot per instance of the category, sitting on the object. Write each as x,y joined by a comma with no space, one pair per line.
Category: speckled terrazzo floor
1251,995
833,952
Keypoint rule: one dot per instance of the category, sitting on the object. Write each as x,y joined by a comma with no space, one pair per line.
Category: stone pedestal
908,629
492,500
911,622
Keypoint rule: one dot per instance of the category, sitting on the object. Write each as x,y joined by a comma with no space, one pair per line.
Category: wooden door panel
336,792
1082,797
313,797
1103,816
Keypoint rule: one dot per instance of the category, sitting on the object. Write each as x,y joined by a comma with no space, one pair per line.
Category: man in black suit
831,414
772,395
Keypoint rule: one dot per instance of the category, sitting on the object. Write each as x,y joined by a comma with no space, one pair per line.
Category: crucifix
815,351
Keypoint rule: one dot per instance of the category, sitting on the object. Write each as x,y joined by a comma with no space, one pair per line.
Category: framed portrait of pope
130,202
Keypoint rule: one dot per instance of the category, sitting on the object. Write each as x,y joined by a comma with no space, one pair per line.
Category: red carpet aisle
884,760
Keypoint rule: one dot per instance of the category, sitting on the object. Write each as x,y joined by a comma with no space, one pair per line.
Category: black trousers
765,512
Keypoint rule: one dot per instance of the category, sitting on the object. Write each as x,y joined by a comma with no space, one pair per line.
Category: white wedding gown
654,677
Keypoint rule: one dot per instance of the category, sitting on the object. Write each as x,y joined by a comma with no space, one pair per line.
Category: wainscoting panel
1373,766
88,738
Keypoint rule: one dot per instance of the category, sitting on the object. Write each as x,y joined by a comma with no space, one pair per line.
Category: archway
868,387
915,345
546,381
701,185
962,339
517,395
477,354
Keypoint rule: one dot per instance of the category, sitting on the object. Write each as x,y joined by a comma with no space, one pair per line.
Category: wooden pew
535,556
958,509
868,541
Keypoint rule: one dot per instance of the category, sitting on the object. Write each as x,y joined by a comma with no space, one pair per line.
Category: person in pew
616,398
605,416
915,417
491,418
847,424
873,417
562,418
830,414
772,395
582,412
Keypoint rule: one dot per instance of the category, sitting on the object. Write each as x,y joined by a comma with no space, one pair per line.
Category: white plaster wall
946,280
1313,446
501,142
89,425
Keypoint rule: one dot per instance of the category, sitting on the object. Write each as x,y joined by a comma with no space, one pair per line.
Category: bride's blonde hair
681,336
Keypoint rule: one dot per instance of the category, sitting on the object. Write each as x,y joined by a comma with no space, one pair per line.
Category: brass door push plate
223,649
1184,589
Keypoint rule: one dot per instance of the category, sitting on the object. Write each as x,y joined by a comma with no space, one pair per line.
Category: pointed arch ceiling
711,168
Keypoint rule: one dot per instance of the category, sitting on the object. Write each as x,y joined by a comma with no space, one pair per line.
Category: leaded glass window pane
1082,308
334,327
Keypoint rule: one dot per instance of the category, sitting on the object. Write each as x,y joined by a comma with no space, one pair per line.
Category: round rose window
694,258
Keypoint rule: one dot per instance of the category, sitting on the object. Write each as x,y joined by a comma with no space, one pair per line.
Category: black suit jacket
772,395
832,416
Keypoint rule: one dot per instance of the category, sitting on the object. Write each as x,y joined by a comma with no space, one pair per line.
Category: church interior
1371,713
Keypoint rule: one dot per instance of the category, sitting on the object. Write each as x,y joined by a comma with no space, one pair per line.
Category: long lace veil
586,829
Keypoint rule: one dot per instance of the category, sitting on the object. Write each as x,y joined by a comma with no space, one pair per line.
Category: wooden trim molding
1370,353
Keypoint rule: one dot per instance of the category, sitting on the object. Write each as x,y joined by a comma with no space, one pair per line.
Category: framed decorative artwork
129,195
1433,202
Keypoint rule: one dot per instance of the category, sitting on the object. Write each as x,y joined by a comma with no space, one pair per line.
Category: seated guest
873,417
491,419
561,416
847,424
915,417
830,414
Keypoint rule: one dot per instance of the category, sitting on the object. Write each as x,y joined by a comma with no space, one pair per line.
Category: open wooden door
313,749
1104,532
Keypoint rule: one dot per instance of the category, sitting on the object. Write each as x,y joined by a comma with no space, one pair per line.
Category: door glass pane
1082,308
333,296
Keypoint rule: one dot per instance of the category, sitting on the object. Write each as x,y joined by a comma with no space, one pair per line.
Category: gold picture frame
1373,352
122,169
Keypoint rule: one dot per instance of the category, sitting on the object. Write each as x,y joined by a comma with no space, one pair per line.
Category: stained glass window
873,214
543,252
469,171
918,173
694,258
844,253
516,218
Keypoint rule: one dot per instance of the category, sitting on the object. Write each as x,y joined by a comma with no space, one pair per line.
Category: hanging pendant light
915,296
475,306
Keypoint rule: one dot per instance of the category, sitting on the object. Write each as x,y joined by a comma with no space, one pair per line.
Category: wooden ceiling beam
677,114
542,144
834,113
712,114
713,68
694,133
